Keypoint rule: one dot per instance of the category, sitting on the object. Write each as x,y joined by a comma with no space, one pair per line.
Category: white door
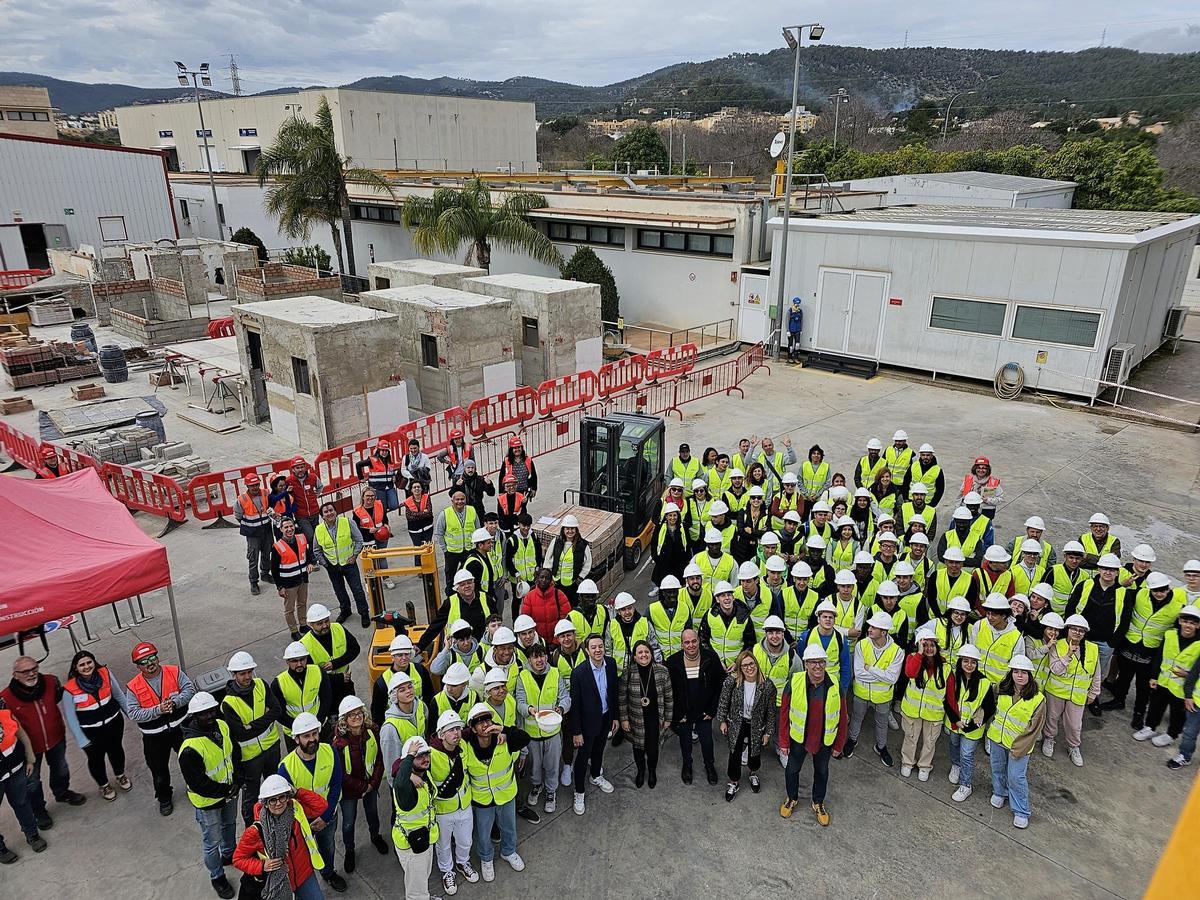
754,322
850,306
833,309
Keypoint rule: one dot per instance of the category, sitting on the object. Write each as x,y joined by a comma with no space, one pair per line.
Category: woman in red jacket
278,849
357,739
546,605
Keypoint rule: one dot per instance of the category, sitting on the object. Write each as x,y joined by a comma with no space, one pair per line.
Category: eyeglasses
278,801
149,660
32,671
749,665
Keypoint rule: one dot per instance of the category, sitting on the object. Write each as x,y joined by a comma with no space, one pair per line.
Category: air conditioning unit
1173,327
1117,366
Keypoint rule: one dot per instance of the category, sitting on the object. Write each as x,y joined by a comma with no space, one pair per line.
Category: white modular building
969,189
1076,298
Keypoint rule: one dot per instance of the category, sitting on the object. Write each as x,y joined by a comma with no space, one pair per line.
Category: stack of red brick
30,362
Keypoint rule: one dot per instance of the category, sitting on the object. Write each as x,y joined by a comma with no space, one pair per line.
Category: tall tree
453,217
308,181
642,147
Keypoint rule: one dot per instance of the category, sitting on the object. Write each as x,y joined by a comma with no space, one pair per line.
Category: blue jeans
326,845
506,817
1008,778
349,811
309,889
60,776
339,577
962,754
1105,654
15,789
1191,728
218,827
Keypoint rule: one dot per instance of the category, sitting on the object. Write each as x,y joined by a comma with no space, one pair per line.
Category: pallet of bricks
604,532
118,445
29,362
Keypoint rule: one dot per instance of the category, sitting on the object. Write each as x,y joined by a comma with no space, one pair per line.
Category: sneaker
336,882
124,783
1178,761
893,722
488,868
449,884
518,864
109,794
923,774
954,770
731,790
821,813
1020,822
223,888
603,783
467,871
37,843
578,804
1076,755
71,798
7,857
1048,749
534,796
961,794
848,748
529,814
885,756
1144,734
1162,739
551,804
755,784
906,771
998,801
786,808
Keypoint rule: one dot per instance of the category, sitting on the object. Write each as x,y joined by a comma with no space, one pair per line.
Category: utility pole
838,99
670,111
234,77
206,80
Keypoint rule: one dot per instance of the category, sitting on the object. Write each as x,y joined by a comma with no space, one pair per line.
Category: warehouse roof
993,180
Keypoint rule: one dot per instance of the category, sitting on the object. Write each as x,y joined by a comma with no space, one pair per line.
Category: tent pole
175,624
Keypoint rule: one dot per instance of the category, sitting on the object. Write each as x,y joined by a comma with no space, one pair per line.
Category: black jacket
272,714
587,719
712,676
324,693
472,614
195,773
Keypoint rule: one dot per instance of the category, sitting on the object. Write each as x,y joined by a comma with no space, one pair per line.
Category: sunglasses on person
149,660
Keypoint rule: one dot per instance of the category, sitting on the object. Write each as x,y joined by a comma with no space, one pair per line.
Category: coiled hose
1009,381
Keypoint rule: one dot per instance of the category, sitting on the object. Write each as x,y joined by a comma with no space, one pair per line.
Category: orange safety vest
412,506
147,699
252,517
968,484
381,472
8,733
518,502
92,710
373,520
452,454
291,562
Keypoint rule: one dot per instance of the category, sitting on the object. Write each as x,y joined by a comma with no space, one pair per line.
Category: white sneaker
906,771
468,872
603,783
893,722
565,781
1020,822
534,796
551,803
1048,749
449,884
1162,739
997,801
1144,734
1076,755
578,804
518,864
488,868
923,774
961,794
954,770
391,585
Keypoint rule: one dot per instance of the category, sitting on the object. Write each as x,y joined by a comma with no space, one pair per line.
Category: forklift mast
621,466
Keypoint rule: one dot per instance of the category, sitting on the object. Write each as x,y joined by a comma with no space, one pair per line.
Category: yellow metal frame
373,573
1175,875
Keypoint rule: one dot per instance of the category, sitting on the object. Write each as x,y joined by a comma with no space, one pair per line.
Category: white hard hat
457,674
349,705
1157,581
925,448
669,508
970,651
1192,611
919,487
295,650
844,577
789,478
1035,522
839,492
479,535
398,680
495,678
670,583
963,514
776,564
842,522
722,587
623,600
201,701
304,723
887,536
822,507
402,643
862,492
698,483
815,541
1073,547
736,473
1053,620
904,567
880,620
814,652
874,444
1021,661
863,558
926,633
884,516
1020,598
480,709
675,483
792,516
569,521
1145,553
318,612
241,662
972,498
996,553
1031,546
564,626
1099,519
449,719
587,586
774,623
503,636
962,604
712,536
919,538
274,786
888,588
801,570
522,589
900,435
770,538
755,491
692,571
747,571
996,602
718,508
1043,590
458,626
1077,620
825,606
953,554
415,746
462,575
1192,565
1109,561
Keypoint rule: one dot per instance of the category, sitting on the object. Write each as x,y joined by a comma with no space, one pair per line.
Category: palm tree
309,178
452,217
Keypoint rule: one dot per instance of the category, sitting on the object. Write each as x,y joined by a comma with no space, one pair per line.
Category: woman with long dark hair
746,715
925,703
91,705
569,558
1020,718
669,547
863,515
281,503
972,706
756,476
356,737
646,705
884,493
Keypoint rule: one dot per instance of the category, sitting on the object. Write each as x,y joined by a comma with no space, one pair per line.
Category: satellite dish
777,145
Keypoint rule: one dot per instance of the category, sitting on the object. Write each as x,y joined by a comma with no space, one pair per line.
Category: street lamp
838,99
202,74
794,36
953,97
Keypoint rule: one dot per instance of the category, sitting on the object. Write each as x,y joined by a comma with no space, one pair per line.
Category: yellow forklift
401,563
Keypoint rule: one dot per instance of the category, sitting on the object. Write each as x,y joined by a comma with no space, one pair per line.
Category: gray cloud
1167,40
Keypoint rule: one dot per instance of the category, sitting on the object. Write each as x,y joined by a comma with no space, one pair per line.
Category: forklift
399,563
621,471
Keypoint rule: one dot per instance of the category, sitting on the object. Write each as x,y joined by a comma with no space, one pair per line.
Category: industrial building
1071,296
59,195
26,110
376,129
969,189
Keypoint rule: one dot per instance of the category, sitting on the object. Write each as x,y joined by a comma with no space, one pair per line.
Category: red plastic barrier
512,408
22,448
10,279
219,328
434,431
567,392
622,375
213,494
72,460
337,467
670,362
138,489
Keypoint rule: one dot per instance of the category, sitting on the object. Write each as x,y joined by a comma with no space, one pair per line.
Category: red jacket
814,722
40,718
305,492
247,856
546,608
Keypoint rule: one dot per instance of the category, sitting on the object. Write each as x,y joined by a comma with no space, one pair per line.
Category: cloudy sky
299,42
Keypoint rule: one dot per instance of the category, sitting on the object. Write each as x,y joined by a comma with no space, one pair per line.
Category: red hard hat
252,478
142,650
511,479
455,433
981,461
49,453
514,441
299,461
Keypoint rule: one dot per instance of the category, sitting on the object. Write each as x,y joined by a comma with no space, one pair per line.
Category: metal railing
644,338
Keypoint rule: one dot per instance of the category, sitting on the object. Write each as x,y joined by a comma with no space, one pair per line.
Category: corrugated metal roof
1098,221
992,180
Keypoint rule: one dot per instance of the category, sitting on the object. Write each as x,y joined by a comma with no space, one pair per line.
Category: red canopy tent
70,547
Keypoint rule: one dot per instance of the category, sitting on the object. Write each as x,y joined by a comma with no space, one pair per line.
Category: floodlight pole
212,183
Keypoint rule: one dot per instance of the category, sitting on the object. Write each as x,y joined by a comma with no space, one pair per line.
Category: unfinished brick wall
130,296
274,281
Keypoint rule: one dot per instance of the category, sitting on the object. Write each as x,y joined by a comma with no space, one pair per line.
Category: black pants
1163,701
589,756
735,755
704,732
159,748
258,554
791,775
253,773
647,754
452,561
106,743
1138,673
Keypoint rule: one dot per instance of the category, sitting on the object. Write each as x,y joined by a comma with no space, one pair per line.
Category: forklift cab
621,470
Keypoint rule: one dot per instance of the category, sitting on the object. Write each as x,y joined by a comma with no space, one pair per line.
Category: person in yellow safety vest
569,557
715,563
973,705
870,465
403,659
1109,611
301,687
736,495
820,522
452,801
501,700
949,581
966,534
1071,683
670,614
797,617
790,530
993,575
952,629
211,764
774,654
406,715
1019,719
525,628
478,562
774,461
848,609
916,554
885,523
314,766
1155,608
842,550
1066,575
332,648
625,629
697,515
696,594
886,557
356,739
918,504
925,471
812,722
285,811
452,530
522,553
252,711
727,629
501,655
337,542
822,572
1039,641
722,521
788,499
768,546
1027,569
669,549
490,765
589,617
887,599
1034,529
540,690
997,638
1097,541
460,647
415,828
877,664
750,593
899,458
1180,652
686,468
718,476
815,476
1137,570
908,591
495,555
923,706
456,694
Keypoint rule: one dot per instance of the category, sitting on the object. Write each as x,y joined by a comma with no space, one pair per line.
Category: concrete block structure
456,346
275,281
407,272
320,372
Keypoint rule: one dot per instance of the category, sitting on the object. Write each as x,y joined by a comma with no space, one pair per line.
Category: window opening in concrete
429,351
529,332
300,375
112,228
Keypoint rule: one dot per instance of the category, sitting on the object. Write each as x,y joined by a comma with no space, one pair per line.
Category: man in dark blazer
695,700
593,716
